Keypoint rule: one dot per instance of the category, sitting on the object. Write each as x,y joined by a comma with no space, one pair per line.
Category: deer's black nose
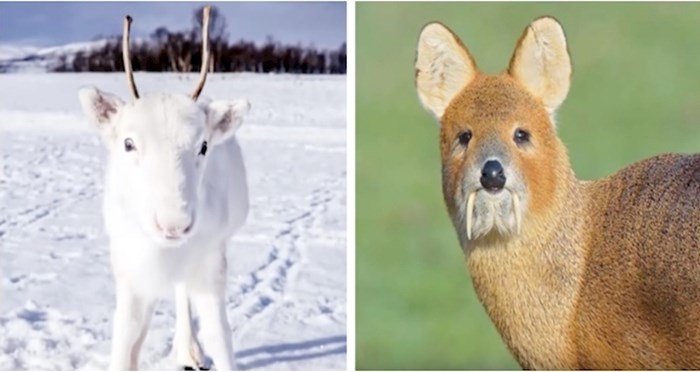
492,177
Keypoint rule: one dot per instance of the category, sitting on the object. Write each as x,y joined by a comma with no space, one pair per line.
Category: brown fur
492,104
605,274
640,305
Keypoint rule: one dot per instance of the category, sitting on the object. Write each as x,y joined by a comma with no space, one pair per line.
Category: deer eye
203,150
521,136
129,145
464,137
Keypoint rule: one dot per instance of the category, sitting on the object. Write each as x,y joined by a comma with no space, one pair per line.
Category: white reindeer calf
175,192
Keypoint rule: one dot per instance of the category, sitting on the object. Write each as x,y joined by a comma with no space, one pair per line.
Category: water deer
574,274
175,193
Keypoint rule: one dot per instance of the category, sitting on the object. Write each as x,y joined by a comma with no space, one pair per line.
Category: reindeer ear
443,68
541,62
99,107
225,117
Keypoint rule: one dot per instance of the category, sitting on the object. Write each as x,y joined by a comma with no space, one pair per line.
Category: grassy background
635,93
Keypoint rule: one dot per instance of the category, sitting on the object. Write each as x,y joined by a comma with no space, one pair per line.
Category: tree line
181,51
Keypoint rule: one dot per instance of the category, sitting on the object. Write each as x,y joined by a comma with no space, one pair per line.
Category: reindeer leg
131,318
208,297
186,349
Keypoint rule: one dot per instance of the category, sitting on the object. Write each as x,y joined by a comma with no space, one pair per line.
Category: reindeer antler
127,58
205,53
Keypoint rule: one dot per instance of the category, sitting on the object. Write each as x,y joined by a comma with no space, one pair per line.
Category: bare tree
181,51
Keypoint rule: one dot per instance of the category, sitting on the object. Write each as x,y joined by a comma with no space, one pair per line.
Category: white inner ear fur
541,62
443,68
100,107
225,117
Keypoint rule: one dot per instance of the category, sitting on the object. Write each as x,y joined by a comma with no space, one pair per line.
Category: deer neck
528,284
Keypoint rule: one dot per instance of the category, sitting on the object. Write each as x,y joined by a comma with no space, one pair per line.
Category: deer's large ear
225,117
541,62
99,107
443,68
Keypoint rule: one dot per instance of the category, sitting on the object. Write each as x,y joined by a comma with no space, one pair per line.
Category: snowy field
286,283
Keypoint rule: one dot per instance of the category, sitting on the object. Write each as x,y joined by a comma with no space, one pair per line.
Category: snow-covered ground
286,287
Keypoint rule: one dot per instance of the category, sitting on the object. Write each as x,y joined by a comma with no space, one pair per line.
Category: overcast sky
52,23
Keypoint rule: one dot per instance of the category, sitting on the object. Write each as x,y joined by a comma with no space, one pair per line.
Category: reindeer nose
492,177
174,228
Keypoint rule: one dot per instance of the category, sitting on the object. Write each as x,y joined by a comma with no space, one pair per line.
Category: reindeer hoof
188,368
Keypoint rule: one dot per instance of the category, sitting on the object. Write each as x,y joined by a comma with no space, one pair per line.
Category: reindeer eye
520,136
203,150
129,145
465,137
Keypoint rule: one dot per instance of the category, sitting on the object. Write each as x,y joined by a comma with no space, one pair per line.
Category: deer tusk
470,214
516,212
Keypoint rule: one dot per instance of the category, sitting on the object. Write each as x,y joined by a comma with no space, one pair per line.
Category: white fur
152,195
541,62
493,212
443,68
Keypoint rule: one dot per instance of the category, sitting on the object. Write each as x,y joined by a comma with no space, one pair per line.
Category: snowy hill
25,58
286,268
11,52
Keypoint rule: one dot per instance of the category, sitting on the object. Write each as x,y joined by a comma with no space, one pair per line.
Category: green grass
635,93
